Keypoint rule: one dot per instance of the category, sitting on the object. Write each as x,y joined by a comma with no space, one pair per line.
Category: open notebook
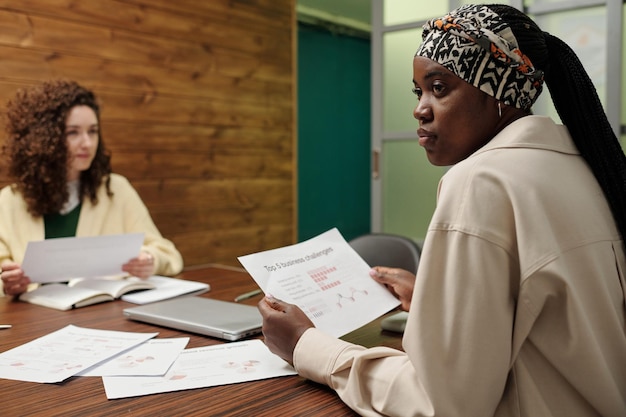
83,292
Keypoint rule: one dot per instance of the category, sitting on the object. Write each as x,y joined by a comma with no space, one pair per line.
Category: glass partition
409,188
398,12
579,29
398,99
461,2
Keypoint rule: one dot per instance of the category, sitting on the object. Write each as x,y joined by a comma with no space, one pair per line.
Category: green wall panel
334,89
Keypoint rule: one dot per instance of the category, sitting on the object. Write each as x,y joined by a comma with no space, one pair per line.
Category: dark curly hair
36,148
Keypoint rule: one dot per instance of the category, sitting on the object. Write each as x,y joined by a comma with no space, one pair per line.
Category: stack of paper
202,367
66,352
134,364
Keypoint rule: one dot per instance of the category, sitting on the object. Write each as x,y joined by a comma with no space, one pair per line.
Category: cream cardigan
124,212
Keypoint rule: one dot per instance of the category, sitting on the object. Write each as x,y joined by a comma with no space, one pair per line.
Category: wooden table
85,396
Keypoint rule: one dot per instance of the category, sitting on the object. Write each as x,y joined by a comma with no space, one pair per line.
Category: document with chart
65,352
207,366
326,278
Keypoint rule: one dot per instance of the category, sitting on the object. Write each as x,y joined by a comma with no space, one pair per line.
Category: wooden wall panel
197,107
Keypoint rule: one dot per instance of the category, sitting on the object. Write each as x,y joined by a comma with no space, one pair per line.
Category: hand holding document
61,259
326,278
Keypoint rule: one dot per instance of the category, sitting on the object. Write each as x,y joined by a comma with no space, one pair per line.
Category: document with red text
65,352
208,366
326,278
151,358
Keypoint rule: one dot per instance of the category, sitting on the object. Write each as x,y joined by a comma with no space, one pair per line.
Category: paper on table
326,278
60,259
151,358
165,288
65,352
208,366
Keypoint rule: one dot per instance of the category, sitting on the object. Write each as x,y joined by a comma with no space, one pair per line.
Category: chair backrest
382,249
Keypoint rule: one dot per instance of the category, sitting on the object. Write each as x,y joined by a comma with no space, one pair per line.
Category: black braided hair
578,105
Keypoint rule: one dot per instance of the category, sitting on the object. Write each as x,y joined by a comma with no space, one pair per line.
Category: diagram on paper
350,297
65,352
205,366
328,280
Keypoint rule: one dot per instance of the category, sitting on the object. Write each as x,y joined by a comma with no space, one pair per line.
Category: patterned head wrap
476,45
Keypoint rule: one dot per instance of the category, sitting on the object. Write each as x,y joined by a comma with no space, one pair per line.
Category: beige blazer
519,302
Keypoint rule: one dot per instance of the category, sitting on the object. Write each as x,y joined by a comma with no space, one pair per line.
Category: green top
61,225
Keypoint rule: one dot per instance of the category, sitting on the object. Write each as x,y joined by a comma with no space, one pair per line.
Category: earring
499,110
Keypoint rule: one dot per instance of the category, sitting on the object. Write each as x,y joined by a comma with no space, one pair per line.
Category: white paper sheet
326,278
166,288
151,358
65,352
57,260
208,366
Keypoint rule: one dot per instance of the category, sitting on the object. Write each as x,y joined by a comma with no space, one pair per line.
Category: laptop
221,319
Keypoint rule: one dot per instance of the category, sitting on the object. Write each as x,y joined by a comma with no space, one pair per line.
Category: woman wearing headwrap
518,307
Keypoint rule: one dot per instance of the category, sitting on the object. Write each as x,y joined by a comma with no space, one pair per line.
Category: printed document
65,352
208,366
326,278
150,358
61,259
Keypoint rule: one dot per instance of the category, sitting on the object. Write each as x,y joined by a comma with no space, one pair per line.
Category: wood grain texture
85,396
198,107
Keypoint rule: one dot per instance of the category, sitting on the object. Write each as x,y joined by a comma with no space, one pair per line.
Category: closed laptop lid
222,319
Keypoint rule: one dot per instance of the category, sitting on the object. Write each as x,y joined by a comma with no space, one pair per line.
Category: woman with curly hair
63,184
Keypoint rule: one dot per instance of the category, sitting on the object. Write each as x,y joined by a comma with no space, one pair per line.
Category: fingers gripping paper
326,278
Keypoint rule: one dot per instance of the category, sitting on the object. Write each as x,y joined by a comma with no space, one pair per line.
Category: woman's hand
14,282
399,281
142,266
283,324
